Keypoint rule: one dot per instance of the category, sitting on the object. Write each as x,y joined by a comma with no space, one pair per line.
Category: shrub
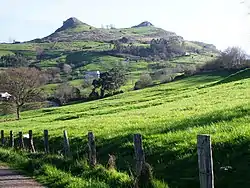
66,93
233,58
167,78
190,70
212,65
145,80
6,108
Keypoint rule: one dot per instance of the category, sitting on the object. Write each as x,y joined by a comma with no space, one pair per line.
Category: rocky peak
144,24
70,23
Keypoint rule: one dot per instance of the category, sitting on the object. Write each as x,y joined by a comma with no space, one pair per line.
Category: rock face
69,23
143,24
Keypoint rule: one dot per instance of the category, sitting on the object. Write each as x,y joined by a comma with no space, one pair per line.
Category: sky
223,23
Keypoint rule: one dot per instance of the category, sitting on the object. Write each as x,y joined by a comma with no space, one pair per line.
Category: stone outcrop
143,24
70,23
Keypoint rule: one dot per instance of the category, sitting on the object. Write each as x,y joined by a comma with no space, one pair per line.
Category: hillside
86,48
75,30
169,117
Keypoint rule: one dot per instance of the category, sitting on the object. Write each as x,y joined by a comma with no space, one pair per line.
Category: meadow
169,116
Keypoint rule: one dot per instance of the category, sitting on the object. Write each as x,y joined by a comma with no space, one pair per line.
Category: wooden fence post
11,139
205,161
31,143
92,149
66,143
21,142
2,137
139,153
46,141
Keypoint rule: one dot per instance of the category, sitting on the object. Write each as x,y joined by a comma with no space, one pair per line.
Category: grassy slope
169,117
5,52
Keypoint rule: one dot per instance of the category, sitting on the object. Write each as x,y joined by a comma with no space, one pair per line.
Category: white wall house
92,75
5,96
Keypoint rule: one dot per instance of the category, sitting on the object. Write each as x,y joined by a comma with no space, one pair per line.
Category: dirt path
11,178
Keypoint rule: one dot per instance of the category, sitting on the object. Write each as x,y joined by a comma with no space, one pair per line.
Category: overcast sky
220,22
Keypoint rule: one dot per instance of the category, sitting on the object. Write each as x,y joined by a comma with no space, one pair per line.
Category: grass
141,30
80,28
50,88
5,52
169,117
243,74
194,59
50,171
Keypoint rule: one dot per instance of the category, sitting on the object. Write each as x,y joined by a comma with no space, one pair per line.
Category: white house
5,96
92,75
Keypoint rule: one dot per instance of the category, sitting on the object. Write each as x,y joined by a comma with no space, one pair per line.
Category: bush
66,93
145,81
190,70
212,65
167,78
231,59
6,108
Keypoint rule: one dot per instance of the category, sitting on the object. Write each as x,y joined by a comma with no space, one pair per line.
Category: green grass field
169,117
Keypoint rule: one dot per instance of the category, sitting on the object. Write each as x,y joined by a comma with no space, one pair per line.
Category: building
92,75
5,96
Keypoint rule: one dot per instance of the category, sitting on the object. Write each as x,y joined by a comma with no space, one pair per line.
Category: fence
204,151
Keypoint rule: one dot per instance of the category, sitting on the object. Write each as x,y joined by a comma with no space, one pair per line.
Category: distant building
92,75
5,96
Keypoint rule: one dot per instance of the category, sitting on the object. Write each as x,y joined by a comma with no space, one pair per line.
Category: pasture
169,116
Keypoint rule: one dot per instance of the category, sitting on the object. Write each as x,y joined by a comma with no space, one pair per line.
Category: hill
86,48
75,30
84,32
169,117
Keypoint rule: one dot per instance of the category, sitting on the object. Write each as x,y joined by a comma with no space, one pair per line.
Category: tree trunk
102,93
18,112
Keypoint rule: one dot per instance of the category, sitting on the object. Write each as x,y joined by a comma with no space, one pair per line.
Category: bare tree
233,58
39,53
23,84
66,68
65,92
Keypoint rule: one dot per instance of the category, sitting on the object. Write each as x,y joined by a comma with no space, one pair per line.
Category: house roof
5,95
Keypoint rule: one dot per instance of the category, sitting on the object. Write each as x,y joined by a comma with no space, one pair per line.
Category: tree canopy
22,84
110,80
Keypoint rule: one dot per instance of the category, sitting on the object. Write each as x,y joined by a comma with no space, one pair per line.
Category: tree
53,75
65,92
110,80
39,53
66,68
16,60
145,80
233,58
23,84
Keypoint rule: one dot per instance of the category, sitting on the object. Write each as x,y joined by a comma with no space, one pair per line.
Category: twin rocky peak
74,22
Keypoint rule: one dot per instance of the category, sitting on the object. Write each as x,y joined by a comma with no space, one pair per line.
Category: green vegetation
5,52
169,116
44,168
141,31
80,28
195,59
243,74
